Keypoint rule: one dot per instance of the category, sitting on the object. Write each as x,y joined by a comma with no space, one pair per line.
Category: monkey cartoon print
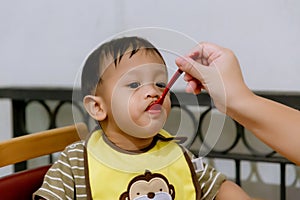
153,186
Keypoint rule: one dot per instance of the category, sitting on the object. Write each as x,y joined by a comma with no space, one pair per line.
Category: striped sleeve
65,179
210,180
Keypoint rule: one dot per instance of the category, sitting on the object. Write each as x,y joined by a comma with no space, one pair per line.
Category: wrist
239,101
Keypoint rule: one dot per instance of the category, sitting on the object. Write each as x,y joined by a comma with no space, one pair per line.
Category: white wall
43,43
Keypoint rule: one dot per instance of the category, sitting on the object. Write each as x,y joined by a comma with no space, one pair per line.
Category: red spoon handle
157,104
171,82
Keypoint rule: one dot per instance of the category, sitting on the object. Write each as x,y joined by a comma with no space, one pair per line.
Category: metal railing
21,98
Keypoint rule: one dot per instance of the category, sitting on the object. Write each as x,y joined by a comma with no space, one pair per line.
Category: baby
129,156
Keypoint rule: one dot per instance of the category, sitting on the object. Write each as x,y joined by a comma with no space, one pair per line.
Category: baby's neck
127,142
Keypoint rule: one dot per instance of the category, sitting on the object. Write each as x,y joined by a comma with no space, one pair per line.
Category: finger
194,87
189,89
204,52
187,77
190,67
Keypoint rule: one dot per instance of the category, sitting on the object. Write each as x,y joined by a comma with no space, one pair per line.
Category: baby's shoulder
75,149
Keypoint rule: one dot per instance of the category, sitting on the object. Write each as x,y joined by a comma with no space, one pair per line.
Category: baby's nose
152,92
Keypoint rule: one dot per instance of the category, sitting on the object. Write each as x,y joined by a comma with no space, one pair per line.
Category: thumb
191,67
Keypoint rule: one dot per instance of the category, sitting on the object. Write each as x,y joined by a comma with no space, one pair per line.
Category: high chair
21,185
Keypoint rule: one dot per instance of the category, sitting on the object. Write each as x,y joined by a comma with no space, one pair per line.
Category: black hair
116,48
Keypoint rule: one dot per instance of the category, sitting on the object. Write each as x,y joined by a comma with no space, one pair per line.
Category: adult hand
215,69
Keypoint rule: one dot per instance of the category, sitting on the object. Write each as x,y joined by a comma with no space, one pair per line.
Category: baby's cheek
134,106
121,103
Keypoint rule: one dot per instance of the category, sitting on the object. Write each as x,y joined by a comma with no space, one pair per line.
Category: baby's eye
161,84
134,85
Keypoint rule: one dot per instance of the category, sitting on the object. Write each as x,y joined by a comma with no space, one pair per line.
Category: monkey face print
149,186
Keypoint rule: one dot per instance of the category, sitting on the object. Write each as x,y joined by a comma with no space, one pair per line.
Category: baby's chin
142,132
144,129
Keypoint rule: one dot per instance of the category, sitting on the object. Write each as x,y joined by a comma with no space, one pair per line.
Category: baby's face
129,89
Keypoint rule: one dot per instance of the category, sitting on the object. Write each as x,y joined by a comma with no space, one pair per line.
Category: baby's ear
95,106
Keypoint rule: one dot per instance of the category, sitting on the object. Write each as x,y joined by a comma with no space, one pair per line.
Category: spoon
157,104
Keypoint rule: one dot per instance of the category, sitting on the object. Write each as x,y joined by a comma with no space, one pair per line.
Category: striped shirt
68,177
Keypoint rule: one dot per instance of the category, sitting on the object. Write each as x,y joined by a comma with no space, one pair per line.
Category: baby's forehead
143,60
112,57
148,69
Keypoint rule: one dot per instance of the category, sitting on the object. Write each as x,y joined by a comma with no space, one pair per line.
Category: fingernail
189,88
181,60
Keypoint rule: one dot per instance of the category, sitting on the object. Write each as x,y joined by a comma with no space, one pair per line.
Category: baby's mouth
154,106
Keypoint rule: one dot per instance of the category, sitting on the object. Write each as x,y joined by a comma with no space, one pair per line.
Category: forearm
217,70
275,124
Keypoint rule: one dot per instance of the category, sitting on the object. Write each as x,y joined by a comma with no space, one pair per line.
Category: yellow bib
163,172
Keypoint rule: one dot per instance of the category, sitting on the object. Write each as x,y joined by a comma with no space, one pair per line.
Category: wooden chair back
21,185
